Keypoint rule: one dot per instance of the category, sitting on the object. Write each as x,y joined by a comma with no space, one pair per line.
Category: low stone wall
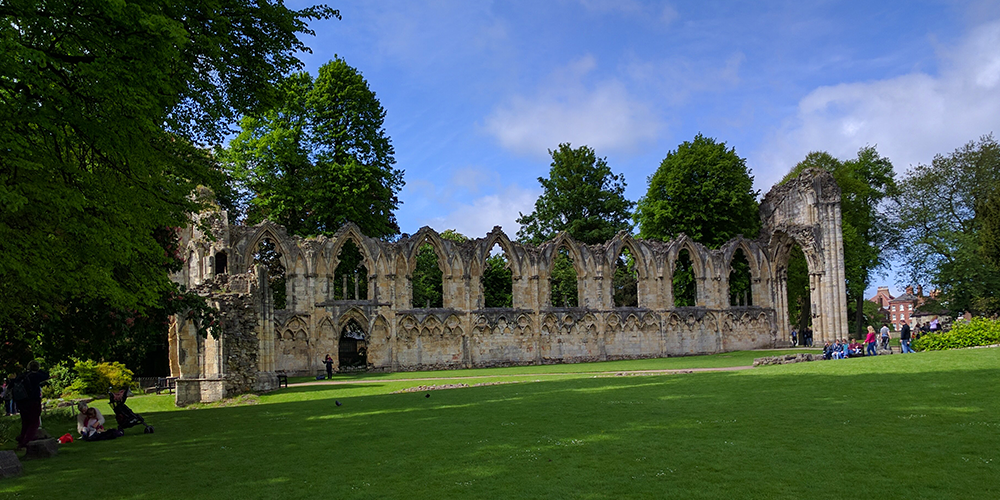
787,359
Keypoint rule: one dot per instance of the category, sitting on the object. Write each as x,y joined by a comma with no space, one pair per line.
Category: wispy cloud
602,115
910,117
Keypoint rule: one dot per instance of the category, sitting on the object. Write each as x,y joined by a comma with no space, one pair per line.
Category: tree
866,184
320,158
427,279
703,190
581,196
102,106
942,213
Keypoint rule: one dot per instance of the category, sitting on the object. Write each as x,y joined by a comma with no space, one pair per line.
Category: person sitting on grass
827,350
90,424
855,349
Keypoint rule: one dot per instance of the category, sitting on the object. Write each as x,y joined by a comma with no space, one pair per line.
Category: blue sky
476,93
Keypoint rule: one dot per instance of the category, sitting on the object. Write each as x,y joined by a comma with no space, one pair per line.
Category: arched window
563,280
221,262
740,291
625,282
498,283
268,256
426,280
353,346
799,300
684,284
350,280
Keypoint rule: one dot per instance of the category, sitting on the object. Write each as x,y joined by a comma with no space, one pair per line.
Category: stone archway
353,347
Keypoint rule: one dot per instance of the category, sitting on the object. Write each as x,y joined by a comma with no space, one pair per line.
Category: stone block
41,433
10,466
42,448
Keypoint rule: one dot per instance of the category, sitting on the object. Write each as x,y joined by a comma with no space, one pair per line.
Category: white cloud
910,117
603,116
476,218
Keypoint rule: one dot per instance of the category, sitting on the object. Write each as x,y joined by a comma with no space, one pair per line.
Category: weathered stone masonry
256,340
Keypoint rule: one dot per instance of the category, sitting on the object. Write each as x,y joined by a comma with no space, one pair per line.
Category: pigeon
338,403
428,395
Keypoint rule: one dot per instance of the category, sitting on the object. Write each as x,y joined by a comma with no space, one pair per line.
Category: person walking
329,366
904,339
30,404
884,334
870,342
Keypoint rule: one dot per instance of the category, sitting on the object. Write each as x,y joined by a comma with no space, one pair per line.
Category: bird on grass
338,403
428,395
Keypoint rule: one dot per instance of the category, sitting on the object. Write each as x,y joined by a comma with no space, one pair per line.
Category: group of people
842,349
874,342
807,337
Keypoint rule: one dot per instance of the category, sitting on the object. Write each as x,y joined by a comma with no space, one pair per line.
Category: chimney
920,291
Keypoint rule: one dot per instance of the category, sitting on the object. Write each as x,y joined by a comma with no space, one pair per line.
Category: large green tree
866,184
102,107
581,196
943,212
320,158
702,189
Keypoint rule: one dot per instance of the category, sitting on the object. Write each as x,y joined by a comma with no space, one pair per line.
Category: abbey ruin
381,324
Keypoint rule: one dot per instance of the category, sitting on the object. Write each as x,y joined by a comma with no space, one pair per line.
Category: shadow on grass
697,436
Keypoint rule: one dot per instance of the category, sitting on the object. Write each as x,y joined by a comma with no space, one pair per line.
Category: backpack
18,390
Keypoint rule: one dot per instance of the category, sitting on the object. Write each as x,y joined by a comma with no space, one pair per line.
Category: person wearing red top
870,341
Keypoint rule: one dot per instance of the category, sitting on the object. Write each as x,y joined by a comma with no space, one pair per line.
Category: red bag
65,438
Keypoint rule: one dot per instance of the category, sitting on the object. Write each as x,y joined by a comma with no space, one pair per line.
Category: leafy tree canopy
320,158
581,196
702,189
942,213
101,108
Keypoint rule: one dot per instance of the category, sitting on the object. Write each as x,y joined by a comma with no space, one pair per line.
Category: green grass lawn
918,426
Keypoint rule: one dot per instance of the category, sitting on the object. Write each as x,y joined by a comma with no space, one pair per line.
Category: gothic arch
269,230
432,238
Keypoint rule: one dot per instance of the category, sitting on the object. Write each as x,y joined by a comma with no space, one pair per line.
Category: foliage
498,285
268,256
94,379
318,159
427,281
739,280
684,284
564,280
943,217
624,283
61,376
799,299
703,190
976,332
581,196
351,266
871,315
102,109
866,184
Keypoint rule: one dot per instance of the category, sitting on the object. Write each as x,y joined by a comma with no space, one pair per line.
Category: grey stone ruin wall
463,333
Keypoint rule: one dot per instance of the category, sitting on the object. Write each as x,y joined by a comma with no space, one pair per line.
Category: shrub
979,331
95,378
60,378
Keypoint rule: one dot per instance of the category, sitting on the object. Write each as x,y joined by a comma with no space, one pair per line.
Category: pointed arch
498,237
564,240
268,230
432,238
350,232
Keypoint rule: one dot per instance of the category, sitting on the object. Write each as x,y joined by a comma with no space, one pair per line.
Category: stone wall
463,333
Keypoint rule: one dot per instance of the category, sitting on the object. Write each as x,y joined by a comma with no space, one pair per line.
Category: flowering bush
978,331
